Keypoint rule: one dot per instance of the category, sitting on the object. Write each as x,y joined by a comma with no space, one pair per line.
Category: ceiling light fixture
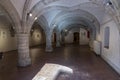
65,30
30,14
108,3
36,18
54,25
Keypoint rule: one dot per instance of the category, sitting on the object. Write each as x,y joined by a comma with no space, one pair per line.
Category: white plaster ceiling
52,8
5,21
93,9
19,5
50,15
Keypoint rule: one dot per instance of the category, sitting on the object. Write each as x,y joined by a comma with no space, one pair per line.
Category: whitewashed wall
36,38
69,37
111,55
83,37
83,40
8,43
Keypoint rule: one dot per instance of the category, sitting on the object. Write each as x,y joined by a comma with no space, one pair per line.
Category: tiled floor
85,64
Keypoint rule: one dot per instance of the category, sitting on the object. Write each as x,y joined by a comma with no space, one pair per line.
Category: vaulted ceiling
64,13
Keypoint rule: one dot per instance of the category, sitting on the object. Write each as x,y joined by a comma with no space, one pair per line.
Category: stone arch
37,35
77,13
25,13
40,7
79,22
68,31
43,22
65,18
91,29
85,26
31,19
13,14
45,5
76,25
71,26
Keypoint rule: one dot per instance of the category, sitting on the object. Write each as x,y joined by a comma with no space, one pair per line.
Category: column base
58,45
49,49
24,62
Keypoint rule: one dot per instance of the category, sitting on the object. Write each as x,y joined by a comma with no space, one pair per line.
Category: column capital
22,33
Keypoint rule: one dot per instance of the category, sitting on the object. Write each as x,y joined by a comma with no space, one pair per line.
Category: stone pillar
49,47
23,50
62,39
92,38
58,40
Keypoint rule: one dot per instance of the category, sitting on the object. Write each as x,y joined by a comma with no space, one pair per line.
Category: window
106,37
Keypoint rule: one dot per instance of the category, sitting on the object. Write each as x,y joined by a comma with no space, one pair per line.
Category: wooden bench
51,71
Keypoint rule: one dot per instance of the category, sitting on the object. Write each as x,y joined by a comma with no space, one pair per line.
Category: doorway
76,38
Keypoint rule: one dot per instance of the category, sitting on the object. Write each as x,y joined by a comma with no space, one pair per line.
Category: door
76,37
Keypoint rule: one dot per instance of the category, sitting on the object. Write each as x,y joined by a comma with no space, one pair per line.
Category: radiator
97,47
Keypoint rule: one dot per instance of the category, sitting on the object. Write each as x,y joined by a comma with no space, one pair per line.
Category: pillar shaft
23,50
58,40
49,47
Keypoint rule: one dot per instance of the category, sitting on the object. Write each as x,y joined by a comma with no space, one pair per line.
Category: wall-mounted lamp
66,30
30,14
109,3
36,18
54,25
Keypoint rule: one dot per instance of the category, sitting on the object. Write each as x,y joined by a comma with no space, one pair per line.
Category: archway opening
76,38
76,35
7,32
37,35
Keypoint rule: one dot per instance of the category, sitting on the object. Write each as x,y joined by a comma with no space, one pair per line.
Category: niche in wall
106,37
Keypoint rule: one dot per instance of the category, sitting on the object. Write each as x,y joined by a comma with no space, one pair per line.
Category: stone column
23,50
92,38
58,40
49,47
62,39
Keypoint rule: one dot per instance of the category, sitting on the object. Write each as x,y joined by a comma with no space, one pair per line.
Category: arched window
106,37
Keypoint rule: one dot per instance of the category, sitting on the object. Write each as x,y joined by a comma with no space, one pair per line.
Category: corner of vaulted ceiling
19,5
